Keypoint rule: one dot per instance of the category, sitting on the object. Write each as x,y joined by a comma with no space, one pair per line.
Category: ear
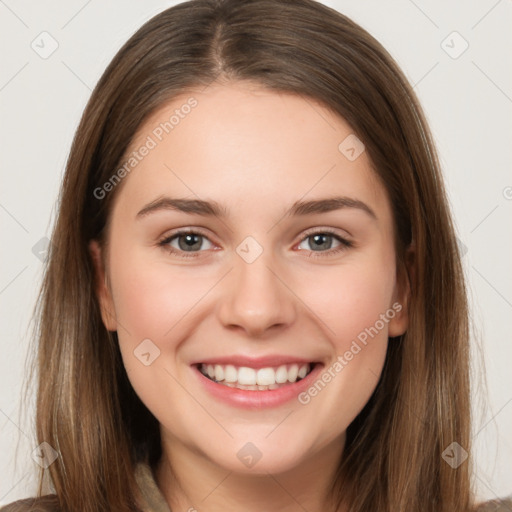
401,297
102,287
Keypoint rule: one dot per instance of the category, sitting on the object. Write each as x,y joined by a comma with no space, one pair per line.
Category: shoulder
43,504
151,496
504,505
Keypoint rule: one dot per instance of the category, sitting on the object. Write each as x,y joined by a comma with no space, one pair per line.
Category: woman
201,351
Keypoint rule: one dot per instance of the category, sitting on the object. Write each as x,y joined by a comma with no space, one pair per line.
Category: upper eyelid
184,231
331,231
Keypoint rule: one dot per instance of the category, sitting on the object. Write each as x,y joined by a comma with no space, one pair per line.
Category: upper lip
255,362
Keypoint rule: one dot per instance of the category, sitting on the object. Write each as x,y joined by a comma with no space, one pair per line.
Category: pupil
190,241
320,240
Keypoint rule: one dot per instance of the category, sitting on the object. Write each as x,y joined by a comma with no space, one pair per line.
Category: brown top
154,501
152,498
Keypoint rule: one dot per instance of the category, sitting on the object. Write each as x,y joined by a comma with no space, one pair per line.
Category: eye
189,243
186,241
323,241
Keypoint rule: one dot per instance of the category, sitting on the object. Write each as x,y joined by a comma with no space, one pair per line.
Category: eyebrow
212,208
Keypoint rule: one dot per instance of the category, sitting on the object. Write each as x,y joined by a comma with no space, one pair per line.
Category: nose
256,299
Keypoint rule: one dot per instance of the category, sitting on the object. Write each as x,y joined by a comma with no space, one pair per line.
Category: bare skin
254,152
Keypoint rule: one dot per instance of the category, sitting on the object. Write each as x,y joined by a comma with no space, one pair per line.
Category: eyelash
344,244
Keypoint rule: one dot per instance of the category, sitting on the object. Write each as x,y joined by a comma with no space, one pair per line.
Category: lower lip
253,399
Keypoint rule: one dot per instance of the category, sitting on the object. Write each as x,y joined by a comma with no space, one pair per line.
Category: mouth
256,383
246,378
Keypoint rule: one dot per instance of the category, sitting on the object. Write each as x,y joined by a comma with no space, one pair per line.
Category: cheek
150,298
154,301
353,302
350,298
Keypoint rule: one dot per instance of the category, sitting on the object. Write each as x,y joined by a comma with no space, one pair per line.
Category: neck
189,481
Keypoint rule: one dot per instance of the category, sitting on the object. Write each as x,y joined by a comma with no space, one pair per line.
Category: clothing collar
153,499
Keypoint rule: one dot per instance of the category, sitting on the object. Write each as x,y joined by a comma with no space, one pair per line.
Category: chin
260,457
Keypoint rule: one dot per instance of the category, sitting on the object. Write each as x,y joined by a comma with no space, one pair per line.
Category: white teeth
303,371
261,379
230,373
281,375
246,376
293,372
219,372
265,376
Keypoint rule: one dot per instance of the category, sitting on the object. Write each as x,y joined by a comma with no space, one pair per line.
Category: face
248,245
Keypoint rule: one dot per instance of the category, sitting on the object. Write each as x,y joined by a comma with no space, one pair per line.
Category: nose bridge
255,298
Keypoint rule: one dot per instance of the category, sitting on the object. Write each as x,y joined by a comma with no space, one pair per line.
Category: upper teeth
250,376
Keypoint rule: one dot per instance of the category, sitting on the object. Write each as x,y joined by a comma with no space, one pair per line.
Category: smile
255,379
256,382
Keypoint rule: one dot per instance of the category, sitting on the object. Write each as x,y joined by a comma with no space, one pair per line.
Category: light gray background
468,102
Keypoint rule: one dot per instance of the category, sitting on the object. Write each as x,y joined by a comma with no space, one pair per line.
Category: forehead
242,144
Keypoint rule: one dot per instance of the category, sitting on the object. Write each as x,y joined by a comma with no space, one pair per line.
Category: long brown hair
86,408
